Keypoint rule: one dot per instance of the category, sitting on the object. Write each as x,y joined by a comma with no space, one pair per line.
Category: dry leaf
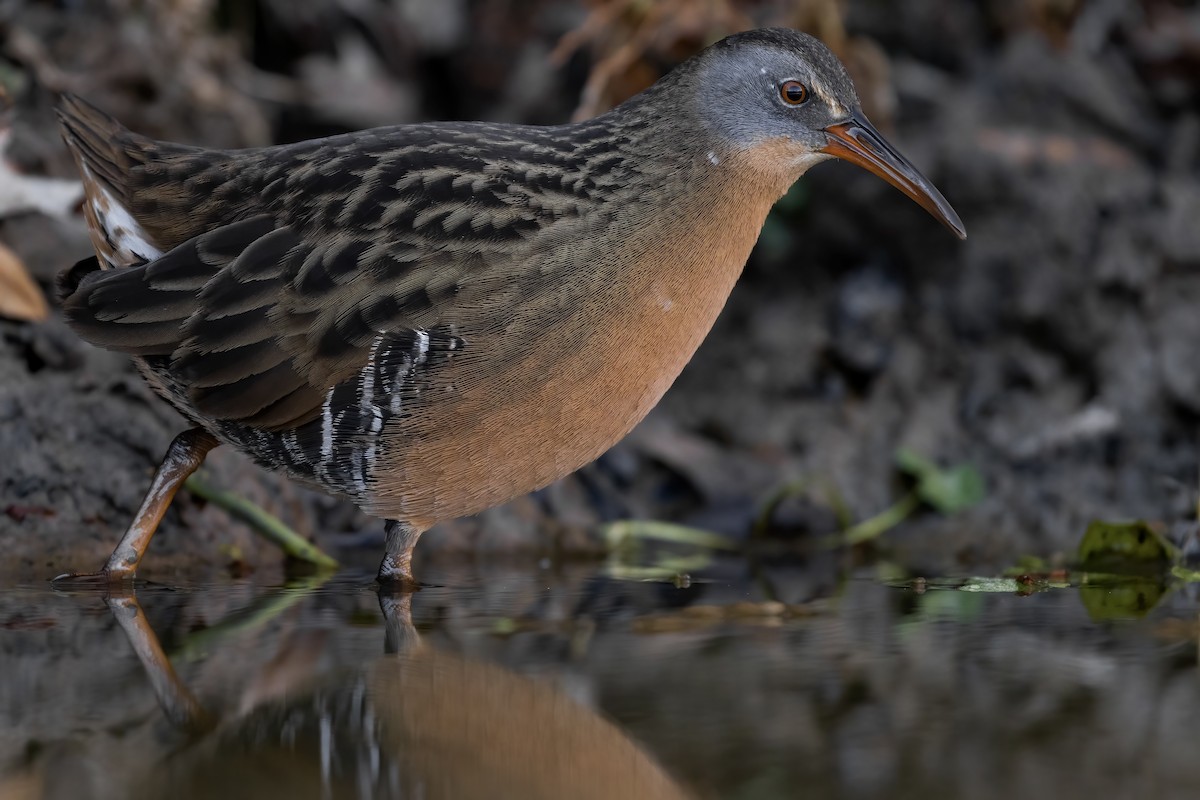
20,297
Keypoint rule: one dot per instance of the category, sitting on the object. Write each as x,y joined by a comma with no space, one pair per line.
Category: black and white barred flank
338,450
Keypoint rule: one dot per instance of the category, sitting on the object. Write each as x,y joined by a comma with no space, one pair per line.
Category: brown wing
309,253
253,322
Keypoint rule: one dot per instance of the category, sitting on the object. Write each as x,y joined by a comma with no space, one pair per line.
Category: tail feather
109,157
69,279
140,202
104,149
120,310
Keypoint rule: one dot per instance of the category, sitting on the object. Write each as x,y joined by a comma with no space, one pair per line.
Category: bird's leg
184,457
396,570
399,634
176,700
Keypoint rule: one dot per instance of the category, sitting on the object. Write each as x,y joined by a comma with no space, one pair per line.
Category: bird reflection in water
418,722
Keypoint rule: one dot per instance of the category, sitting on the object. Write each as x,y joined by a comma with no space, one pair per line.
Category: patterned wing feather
319,262
205,315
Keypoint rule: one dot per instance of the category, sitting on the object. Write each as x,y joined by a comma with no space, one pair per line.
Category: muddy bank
1054,349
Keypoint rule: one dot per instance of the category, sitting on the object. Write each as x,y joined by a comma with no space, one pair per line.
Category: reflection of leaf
946,490
940,602
964,606
1120,597
632,557
665,569
1112,545
20,297
200,644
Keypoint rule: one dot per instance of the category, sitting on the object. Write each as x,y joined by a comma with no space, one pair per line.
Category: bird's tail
104,149
109,156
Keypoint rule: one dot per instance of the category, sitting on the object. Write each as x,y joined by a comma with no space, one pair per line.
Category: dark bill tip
858,142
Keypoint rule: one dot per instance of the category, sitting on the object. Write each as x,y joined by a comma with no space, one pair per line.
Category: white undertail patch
124,233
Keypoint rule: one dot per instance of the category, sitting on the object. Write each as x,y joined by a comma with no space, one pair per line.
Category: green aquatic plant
947,490
1124,546
261,522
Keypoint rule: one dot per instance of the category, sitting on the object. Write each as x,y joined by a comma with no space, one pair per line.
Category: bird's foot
108,579
395,573
402,583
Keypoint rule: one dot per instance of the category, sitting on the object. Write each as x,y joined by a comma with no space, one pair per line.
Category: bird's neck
702,231
668,132
674,273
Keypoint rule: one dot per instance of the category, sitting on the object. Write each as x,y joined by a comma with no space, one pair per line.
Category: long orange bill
858,142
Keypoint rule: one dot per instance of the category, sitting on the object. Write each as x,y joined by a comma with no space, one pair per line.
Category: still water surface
552,683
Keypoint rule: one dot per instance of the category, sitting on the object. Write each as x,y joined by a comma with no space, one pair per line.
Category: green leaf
881,523
1184,574
617,534
947,490
1132,544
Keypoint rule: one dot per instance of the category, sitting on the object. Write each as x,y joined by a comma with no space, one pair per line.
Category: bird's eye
794,93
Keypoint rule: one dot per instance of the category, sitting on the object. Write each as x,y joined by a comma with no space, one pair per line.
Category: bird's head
784,93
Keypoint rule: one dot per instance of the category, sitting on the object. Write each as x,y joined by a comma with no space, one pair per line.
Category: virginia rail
432,319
